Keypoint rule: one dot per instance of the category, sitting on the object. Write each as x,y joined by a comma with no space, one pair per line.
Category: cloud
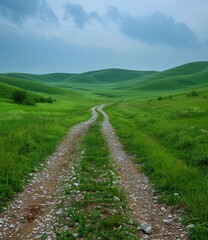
19,10
155,28
114,14
88,40
79,15
77,12
46,13
22,52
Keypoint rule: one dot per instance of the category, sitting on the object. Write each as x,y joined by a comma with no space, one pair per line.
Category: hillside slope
185,76
115,82
6,90
107,76
51,77
97,77
29,85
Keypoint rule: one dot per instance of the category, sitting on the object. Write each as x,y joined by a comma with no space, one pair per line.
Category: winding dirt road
19,221
165,224
31,210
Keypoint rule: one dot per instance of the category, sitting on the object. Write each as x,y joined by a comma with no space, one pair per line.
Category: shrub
193,93
26,98
23,97
160,98
49,100
29,101
19,96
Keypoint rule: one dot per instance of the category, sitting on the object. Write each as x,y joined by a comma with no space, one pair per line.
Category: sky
44,36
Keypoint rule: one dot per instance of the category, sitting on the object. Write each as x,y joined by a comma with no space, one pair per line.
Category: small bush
193,94
23,97
19,96
29,101
49,100
42,99
26,98
160,98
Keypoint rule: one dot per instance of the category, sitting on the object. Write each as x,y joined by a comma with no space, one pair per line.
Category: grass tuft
96,205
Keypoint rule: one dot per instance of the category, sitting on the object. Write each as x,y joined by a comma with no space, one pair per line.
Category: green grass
96,205
29,134
169,136
169,139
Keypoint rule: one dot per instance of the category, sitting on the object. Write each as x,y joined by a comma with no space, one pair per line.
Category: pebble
163,209
167,221
145,227
12,226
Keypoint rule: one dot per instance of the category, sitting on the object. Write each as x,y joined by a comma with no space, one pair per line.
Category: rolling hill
114,82
97,77
107,76
30,85
182,77
51,77
6,90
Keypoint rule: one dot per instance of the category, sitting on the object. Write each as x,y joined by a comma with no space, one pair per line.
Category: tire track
163,223
20,219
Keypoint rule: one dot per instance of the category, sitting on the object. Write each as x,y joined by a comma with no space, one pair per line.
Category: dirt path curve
144,208
19,220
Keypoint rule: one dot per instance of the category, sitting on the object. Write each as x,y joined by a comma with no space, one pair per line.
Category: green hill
52,77
107,76
182,77
30,85
114,82
6,90
191,75
96,77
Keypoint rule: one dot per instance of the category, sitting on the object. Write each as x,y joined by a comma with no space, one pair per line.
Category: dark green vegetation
96,205
161,117
28,98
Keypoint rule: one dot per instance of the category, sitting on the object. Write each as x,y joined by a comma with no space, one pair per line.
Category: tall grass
27,136
166,137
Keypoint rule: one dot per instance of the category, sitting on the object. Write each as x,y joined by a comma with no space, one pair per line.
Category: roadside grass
169,138
28,135
93,206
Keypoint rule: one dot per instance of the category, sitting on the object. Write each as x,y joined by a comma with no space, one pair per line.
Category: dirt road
22,216
162,222
29,216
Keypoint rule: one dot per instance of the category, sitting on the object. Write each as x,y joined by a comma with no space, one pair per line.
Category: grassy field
28,134
160,117
169,138
96,206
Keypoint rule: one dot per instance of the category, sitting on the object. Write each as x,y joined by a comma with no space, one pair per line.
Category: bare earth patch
162,222
31,207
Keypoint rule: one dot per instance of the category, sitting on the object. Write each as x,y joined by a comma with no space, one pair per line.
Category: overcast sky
42,36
